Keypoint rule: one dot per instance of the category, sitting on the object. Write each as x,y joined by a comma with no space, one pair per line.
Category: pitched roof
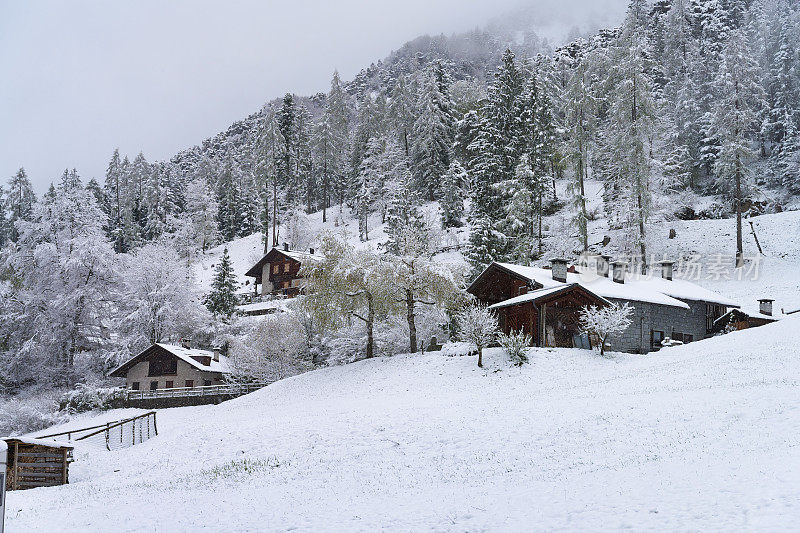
184,354
749,313
255,270
636,287
539,294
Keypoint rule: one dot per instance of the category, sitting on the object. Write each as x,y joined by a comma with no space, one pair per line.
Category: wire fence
112,435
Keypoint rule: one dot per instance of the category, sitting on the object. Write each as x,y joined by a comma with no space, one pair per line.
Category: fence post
108,435
155,427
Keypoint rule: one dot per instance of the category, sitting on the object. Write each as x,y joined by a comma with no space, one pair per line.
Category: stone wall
669,319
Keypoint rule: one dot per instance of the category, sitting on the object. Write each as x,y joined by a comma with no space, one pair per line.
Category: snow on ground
699,437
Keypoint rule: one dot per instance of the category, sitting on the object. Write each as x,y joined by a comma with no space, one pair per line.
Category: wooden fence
229,390
118,434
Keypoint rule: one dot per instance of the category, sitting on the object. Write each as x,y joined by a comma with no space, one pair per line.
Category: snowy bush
20,416
84,398
453,349
516,345
275,349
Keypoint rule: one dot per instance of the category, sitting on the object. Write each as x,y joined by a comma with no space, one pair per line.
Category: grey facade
649,319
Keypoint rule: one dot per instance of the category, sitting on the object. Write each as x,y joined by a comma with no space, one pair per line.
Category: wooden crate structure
36,463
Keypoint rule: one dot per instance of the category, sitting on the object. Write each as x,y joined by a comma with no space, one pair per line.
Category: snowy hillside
697,437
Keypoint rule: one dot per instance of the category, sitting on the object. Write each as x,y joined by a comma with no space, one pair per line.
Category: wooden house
663,307
35,463
738,319
166,366
278,272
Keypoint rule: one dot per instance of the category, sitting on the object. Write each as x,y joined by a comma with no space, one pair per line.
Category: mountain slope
695,437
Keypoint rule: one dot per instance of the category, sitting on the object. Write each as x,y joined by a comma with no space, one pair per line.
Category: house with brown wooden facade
546,302
276,277
166,366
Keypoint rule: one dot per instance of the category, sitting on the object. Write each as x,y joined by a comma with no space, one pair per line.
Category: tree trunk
370,324
275,213
412,325
480,356
325,191
739,247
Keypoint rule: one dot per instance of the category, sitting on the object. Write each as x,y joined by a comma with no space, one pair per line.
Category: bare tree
605,321
478,325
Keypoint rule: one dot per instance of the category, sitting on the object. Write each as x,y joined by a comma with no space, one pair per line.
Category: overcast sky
81,77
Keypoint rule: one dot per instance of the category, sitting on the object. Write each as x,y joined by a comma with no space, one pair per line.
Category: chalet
663,307
738,319
166,366
278,274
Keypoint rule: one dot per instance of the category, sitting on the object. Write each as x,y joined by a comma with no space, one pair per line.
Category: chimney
215,357
559,270
618,268
286,247
186,343
765,306
666,269
311,251
603,262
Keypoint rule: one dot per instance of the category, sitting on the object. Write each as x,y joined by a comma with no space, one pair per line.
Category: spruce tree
19,201
433,132
222,299
736,114
451,195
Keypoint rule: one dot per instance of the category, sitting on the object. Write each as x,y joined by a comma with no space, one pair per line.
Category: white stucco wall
138,372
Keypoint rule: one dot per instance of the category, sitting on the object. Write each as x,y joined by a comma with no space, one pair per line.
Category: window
135,385
170,385
276,268
655,338
189,383
286,267
683,337
206,383
153,385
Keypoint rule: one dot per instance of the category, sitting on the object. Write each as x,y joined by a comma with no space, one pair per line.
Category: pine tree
222,299
367,185
330,142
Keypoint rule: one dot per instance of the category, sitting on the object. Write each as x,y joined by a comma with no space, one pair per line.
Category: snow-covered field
700,437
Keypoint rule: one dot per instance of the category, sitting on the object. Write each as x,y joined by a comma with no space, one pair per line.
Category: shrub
18,417
516,346
84,398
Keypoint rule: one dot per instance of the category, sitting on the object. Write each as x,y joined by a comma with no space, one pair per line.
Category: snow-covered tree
202,209
64,268
158,299
433,132
19,201
222,300
451,195
736,114
275,349
604,322
477,324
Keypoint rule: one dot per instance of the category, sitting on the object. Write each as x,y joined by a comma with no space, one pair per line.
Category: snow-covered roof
533,296
255,270
184,354
39,442
749,312
188,355
261,306
636,288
